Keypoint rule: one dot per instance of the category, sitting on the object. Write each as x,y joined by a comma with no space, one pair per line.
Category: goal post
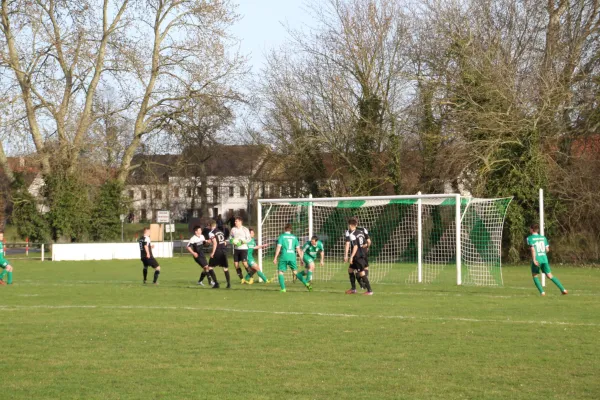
417,238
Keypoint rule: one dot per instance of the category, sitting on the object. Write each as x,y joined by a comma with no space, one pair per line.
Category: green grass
90,330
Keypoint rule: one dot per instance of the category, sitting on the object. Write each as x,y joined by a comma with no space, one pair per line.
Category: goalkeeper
311,249
253,266
539,259
240,236
7,269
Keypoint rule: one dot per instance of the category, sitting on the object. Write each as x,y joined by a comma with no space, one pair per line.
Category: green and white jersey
539,244
1,250
288,243
251,245
313,251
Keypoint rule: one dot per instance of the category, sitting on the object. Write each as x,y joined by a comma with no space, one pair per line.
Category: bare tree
189,59
339,88
57,53
54,57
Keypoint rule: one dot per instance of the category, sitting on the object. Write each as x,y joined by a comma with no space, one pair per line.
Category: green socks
301,277
9,281
536,280
281,281
261,276
3,274
554,279
309,276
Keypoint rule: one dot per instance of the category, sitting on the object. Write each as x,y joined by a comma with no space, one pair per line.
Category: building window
143,215
198,191
144,195
231,191
215,212
188,192
158,195
176,192
284,191
215,191
131,194
242,191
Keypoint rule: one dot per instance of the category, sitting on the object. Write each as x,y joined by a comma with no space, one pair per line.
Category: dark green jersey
251,245
539,244
288,243
313,251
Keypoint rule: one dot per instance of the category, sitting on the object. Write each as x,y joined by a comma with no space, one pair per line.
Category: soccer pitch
91,330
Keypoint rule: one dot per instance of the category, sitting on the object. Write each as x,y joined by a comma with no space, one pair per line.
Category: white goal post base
417,238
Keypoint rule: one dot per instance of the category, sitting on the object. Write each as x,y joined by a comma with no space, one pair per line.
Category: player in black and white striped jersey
147,257
195,247
218,257
366,247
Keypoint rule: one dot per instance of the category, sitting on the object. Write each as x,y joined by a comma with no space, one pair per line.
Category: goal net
424,238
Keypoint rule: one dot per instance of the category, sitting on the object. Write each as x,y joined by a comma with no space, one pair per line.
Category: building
227,183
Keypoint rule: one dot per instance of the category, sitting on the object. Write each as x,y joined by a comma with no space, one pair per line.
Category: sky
261,27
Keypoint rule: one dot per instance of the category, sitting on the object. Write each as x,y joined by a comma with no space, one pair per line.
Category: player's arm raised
262,246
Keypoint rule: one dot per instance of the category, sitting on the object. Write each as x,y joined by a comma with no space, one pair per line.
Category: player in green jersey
311,249
539,259
253,267
287,246
7,269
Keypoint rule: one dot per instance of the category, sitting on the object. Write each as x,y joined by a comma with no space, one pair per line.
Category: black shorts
150,262
201,260
219,260
240,255
359,264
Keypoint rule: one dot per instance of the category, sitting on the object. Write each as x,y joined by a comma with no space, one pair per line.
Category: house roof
235,160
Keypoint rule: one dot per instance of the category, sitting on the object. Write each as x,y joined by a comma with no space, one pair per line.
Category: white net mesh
393,230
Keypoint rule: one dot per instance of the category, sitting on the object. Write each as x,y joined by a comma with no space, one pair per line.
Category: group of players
356,252
288,246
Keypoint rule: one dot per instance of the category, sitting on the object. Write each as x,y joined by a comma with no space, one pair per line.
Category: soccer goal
421,238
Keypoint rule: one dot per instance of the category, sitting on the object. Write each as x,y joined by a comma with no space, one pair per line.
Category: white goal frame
419,197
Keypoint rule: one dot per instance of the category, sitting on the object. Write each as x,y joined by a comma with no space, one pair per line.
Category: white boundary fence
107,251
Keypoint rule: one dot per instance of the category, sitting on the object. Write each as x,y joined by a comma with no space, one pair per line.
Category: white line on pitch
317,314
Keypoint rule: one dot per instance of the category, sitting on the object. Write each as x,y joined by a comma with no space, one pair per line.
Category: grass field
91,330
